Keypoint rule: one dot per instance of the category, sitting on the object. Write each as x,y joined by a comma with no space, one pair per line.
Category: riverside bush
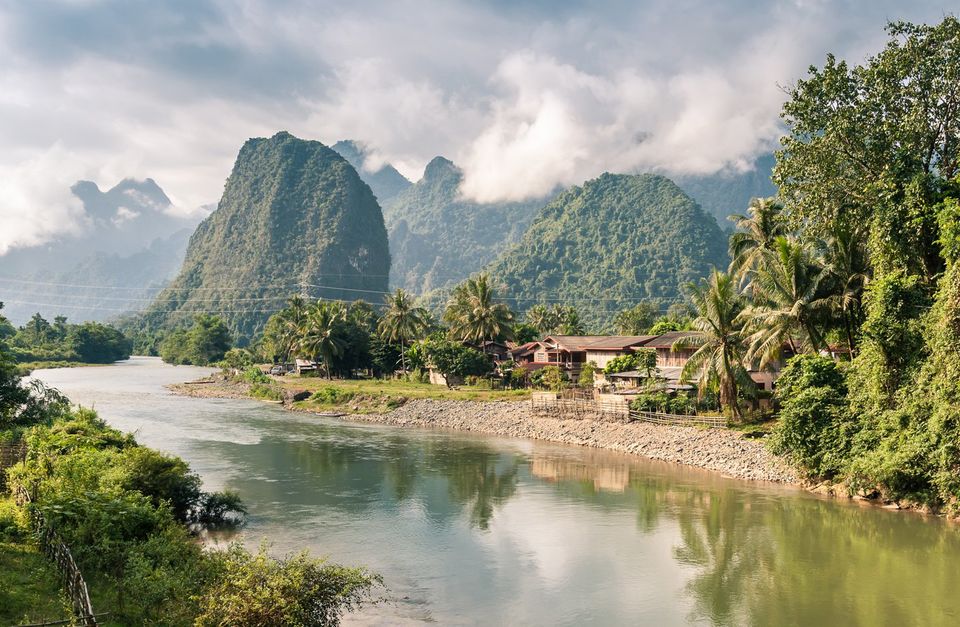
332,396
266,392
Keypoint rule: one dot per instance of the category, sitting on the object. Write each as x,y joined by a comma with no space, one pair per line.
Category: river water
477,530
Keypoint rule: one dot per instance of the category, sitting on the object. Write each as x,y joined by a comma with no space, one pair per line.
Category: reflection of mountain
130,241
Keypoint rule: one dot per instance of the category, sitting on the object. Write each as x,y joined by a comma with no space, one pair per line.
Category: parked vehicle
278,370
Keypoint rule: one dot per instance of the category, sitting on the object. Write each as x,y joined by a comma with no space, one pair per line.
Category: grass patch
267,392
25,368
29,587
382,395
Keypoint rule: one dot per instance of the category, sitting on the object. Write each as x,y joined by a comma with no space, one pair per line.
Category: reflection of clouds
569,561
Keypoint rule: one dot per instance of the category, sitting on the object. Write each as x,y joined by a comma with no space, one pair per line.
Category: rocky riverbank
719,450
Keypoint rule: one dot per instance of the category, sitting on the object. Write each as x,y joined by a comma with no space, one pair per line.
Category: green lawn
29,588
373,395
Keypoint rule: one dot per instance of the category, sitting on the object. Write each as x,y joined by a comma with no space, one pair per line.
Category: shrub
254,375
256,590
266,392
332,396
815,429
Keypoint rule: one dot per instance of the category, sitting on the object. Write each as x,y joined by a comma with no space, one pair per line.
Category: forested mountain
437,238
608,243
129,246
385,182
725,193
294,216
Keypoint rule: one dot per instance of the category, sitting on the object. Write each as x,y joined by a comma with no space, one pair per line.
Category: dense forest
609,243
295,216
869,178
438,238
39,340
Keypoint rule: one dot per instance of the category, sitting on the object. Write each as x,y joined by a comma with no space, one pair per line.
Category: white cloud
523,97
36,203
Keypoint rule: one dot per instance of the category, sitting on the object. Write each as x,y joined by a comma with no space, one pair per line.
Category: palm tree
541,319
570,323
719,356
474,316
324,332
847,270
292,324
754,235
402,322
790,303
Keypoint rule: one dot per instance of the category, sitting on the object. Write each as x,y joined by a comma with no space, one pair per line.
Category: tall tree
848,272
324,335
876,143
402,322
475,316
637,320
542,319
754,235
790,306
719,356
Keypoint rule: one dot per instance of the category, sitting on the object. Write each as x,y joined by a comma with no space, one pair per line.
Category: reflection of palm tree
476,475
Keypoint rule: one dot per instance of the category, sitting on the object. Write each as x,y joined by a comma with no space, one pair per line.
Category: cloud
524,96
36,203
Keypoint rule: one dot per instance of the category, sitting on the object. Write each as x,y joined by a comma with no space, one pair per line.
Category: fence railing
10,454
59,553
578,404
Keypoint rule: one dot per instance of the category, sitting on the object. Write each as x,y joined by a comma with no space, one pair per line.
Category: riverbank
719,450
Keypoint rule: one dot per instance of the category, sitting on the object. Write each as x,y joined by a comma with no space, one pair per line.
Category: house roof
524,348
667,339
619,342
573,342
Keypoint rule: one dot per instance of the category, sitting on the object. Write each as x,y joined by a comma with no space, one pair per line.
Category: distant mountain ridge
294,216
438,238
386,182
608,243
726,193
131,242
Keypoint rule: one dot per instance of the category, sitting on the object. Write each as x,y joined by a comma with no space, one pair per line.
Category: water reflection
476,530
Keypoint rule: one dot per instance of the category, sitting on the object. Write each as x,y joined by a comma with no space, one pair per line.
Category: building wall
602,358
666,357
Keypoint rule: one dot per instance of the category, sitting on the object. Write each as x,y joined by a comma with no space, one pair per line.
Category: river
477,530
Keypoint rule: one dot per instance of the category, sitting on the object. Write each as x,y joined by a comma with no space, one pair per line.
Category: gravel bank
720,450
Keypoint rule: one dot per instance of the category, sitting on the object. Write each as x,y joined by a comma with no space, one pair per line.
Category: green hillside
294,215
438,238
606,244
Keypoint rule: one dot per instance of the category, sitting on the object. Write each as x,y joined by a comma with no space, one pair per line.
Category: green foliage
874,144
585,380
666,325
662,402
293,212
253,374
816,427
266,392
637,320
475,315
437,238
237,358
642,360
259,591
89,342
551,378
204,343
451,358
615,237
332,396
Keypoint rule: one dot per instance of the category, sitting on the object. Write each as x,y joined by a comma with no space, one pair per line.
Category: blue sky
523,95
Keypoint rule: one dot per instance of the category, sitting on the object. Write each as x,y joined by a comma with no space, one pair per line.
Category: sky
524,96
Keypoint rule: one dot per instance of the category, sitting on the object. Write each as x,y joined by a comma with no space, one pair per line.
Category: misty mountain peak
440,168
386,182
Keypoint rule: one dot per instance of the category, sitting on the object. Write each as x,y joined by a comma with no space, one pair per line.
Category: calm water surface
482,530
